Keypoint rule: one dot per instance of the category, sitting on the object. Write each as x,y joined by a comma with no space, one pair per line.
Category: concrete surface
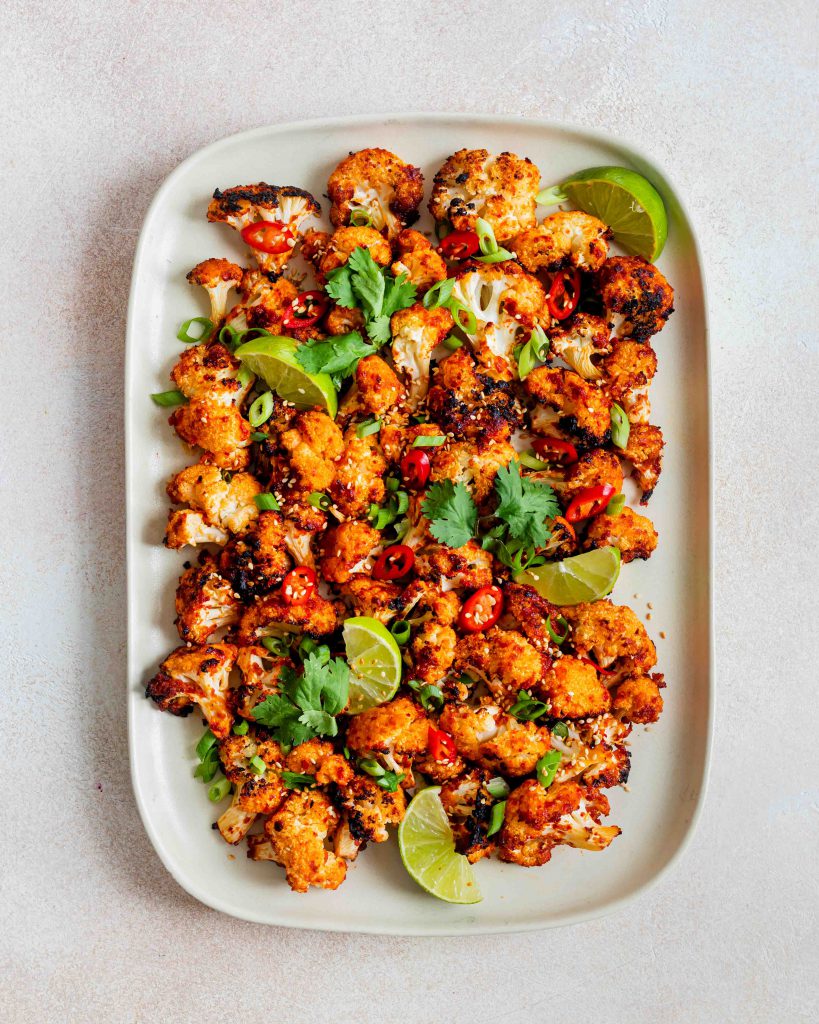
101,101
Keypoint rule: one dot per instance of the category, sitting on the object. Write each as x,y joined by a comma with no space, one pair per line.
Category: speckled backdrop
101,101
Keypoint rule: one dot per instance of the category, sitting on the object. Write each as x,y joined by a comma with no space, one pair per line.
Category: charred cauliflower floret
341,320
209,372
468,566
472,183
415,333
196,675
507,304
217,277
216,506
579,342
494,739
379,389
255,792
272,615
529,611
264,303
563,239
358,473
504,660
297,833
613,635
593,468
347,549
205,602
638,699
627,373
433,651
636,296
415,257
582,409
468,403
219,430
393,733
378,599
475,463
422,600
257,561
244,205
379,183
396,439
312,443
260,672
573,689
539,819
302,523
367,809
344,241
317,758
468,806
632,533
644,451
593,752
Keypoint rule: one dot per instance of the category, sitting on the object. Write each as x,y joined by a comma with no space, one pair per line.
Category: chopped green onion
319,500
401,502
551,196
219,790
452,343
540,342
401,631
360,218
371,767
439,294
526,708
259,435
276,645
499,256
486,236
183,334
206,769
402,529
531,461
526,360
546,768
228,337
205,743
257,765
419,417
370,426
240,729
298,780
496,819
562,624
390,780
620,426
430,697
346,751
169,398
244,376
616,505
392,484
498,788
459,311
426,441
561,730
266,502
261,410
308,646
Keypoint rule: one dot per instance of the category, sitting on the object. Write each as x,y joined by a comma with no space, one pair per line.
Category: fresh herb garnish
525,505
337,356
547,768
452,513
496,819
362,284
207,750
526,708
306,705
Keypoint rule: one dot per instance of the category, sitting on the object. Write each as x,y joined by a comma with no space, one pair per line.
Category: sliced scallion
561,624
561,730
499,256
368,427
546,768
205,743
319,500
219,790
452,343
620,426
257,765
184,333
266,502
498,788
428,441
401,631
261,410
360,218
169,398
244,376
276,645
496,818
616,505
463,317
531,461
371,767
240,729
551,196
431,697
259,435
486,236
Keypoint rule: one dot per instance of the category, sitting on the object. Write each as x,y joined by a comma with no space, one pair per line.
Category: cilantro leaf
337,356
307,704
525,505
451,512
340,286
362,284
379,329
320,722
368,281
399,293
275,712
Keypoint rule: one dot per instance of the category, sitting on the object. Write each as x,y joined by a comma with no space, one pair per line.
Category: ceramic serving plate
671,591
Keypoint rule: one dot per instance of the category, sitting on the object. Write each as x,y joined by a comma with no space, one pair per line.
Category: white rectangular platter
669,761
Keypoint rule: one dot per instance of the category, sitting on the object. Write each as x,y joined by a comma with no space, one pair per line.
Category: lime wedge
274,360
428,851
375,663
627,202
577,579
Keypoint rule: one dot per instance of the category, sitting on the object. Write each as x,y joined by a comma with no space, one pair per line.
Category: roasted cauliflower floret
379,389
632,533
303,522
573,689
256,792
593,468
421,601
507,304
271,615
347,549
582,408
627,372
593,753
494,739
504,660
260,672
468,403
341,320
394,733
379,599
475,463
297,834
468,806
344,241
613,635
468,566
358,475
501,189
381,184
317,758
209,372
219,430
222,505
539,819
529,612
282,204
636,296
264,302
205,602
415,333
312,443
367,809
433,651
563,239
217,277
644,451
257,561
196,675
416,258
638,699
579,342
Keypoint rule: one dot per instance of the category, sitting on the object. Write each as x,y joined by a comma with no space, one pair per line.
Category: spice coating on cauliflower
563,239
381,185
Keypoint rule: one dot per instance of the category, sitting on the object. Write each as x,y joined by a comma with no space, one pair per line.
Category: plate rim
611,906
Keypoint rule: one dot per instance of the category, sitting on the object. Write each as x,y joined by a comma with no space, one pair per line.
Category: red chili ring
555,449
591,501
271,236
459,245
441,745
415,468
299,584
394,562
481,610
315,301
562,302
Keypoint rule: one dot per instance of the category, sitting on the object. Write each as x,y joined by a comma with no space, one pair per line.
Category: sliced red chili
441,745
481,610
564,294
299,584
306,309
555,449
591,501
269,236
600,669
394,562
459,245
415,468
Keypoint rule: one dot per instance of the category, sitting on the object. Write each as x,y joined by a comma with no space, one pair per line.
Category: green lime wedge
587,577
428,851
274,360
627,202
375,663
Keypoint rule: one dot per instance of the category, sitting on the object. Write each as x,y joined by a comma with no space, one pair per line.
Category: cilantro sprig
525,505
452,514
337,356
362,284
306,705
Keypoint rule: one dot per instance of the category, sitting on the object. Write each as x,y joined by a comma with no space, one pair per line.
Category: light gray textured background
100,102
